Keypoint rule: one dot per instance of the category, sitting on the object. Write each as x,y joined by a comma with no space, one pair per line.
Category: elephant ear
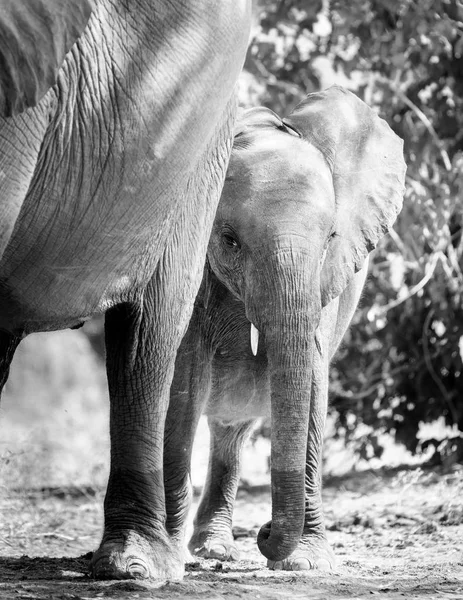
35,36
366,161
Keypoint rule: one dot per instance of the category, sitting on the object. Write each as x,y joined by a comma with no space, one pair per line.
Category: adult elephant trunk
287,309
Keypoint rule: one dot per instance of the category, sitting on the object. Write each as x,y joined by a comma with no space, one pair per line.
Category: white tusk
254,339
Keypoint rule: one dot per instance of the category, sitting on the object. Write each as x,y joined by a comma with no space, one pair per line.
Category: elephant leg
8,345
139,349
187,397
212,536
313,550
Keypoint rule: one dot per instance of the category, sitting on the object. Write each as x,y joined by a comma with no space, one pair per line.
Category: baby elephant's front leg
212,536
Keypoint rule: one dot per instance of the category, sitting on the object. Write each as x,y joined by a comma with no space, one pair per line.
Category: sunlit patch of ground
396,534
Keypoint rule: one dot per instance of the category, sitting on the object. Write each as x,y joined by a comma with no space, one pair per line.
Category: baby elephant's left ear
366,161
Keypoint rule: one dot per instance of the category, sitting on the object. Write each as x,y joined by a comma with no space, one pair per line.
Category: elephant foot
311,554
214,545
133,557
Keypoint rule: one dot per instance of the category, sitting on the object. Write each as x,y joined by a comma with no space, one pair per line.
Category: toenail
301,564
323,565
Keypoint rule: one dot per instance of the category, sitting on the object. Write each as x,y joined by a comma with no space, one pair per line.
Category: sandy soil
397,534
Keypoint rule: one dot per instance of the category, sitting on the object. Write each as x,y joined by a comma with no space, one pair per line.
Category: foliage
401,363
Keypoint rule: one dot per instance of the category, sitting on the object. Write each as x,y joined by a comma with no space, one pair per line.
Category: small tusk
254,339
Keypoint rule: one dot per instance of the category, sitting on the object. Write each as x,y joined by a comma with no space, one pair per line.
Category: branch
398,241
415,289
426,122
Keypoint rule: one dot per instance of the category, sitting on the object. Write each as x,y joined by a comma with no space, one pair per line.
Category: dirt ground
396,533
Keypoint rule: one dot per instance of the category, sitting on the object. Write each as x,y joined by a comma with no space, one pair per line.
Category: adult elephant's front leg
141,343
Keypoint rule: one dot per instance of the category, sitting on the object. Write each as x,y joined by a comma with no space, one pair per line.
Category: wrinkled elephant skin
116,126
305,200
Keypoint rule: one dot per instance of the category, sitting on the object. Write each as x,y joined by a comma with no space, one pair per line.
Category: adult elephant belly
57,285
89,237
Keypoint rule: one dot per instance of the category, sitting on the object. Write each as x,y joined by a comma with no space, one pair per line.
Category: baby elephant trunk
291,316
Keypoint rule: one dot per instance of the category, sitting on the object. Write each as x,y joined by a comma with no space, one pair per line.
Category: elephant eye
230,241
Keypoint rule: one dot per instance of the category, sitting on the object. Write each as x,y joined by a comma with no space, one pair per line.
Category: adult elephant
305,200
117,124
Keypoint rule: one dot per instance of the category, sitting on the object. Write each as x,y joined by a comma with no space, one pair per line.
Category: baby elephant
306,199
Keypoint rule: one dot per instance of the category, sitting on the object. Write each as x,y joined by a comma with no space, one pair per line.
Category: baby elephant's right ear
35,36
367,165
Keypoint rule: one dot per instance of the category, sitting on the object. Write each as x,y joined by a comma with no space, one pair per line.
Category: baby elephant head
306,199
